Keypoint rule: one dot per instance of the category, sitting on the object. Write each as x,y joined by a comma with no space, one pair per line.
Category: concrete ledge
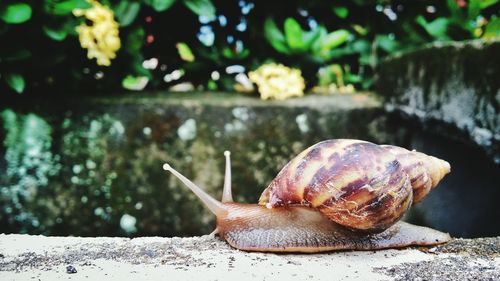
25,257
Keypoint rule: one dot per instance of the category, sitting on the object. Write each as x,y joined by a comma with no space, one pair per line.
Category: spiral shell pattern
357,184
425,171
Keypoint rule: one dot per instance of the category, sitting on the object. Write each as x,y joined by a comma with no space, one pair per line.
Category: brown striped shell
355,183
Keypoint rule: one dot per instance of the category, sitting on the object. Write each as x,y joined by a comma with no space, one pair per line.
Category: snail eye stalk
227,195
216,207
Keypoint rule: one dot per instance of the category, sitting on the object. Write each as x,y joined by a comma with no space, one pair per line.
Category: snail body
336,195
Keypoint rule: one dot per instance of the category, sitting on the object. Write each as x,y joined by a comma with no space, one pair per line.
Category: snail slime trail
338,194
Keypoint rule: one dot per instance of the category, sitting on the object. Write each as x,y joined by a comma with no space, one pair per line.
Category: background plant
208,42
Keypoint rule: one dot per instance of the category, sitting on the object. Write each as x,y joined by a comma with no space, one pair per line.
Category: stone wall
455,83
93,166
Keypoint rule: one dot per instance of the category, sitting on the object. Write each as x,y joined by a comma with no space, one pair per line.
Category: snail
338,194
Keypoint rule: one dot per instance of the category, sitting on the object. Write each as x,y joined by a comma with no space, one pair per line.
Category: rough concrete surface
25,257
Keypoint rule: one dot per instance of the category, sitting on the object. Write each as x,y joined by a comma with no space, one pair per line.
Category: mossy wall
94,166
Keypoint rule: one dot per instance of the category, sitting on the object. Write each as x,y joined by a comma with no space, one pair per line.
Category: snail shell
354,183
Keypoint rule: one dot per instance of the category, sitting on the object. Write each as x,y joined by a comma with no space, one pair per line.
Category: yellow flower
101,38
276,81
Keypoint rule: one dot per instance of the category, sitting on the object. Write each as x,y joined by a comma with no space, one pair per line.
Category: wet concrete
24,257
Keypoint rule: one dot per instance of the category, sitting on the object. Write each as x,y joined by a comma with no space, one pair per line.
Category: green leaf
65,7
211,85
492,30
367,83
310,38
473,9
367,59
456,12
229,53
275,37
134,83
56,34
486,3
136,67
341,12
316,48
126,12
361,46
361,30
135,41
412,34
160,5
437,28
201,7
184,52
334,39
326,49
352,78
211,55
16,13
15,82
293,34
386,43
333,54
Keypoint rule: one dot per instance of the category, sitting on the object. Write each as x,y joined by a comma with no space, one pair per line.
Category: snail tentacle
215,206
227,195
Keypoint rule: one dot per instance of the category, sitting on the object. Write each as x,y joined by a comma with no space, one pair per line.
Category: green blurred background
165,42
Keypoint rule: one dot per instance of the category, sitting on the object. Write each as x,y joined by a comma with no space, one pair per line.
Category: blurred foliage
317,43
166,42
